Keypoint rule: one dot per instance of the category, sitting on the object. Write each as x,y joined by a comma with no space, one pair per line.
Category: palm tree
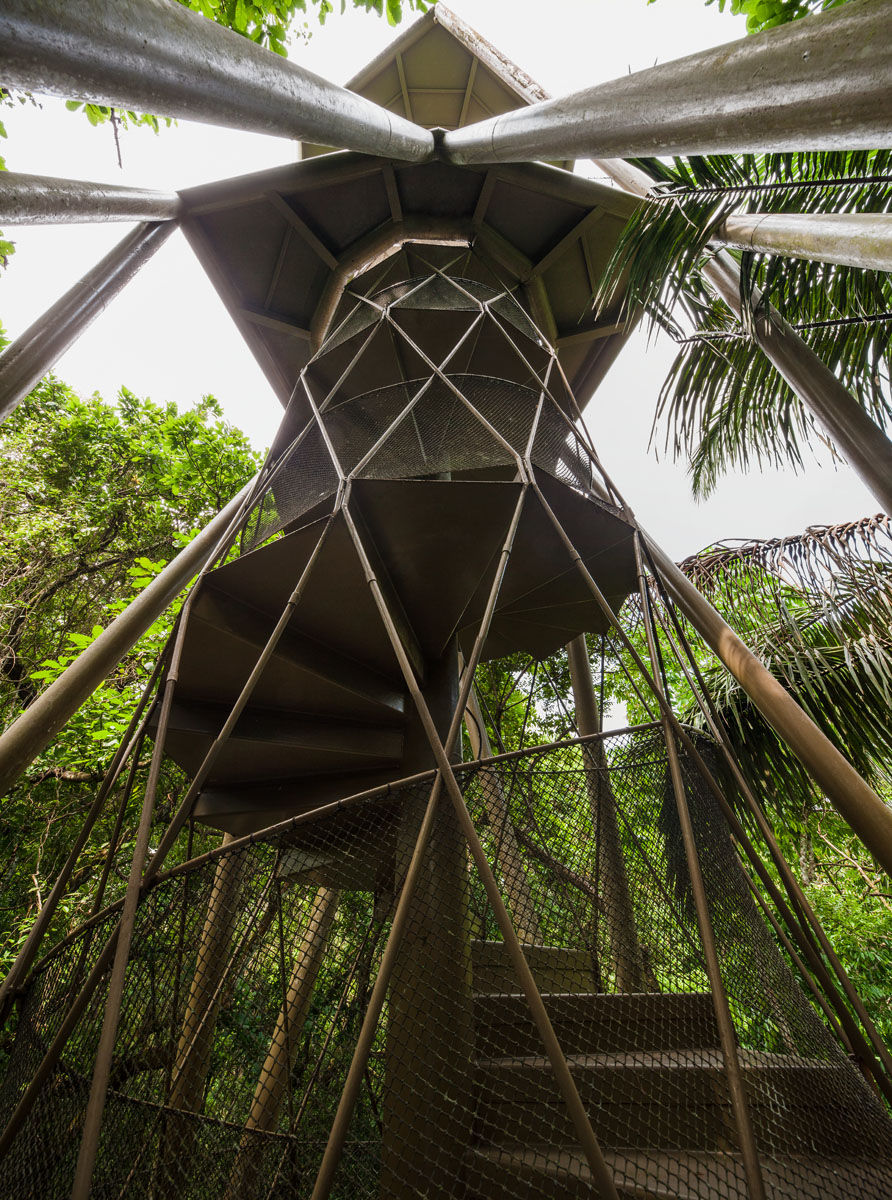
723,402
817,609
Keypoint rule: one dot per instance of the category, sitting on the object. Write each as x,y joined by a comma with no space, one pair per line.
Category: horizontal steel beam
42,200
851,239
824,82
159,57
33,731
31,355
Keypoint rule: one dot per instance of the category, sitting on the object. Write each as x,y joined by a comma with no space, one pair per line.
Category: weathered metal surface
35,351
821,83
552,231
159,57
42,200
863,444
851,239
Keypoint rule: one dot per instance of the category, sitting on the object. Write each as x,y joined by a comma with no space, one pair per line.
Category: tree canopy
766,14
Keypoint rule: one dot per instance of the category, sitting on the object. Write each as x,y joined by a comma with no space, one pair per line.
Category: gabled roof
442,74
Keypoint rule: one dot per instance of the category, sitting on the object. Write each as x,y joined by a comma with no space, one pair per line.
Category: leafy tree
94,499
766,14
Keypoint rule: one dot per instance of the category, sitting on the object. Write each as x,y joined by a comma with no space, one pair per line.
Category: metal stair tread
686,1175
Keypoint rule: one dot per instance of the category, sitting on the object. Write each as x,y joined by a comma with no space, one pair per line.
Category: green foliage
766,14
94,500
723,403
816,609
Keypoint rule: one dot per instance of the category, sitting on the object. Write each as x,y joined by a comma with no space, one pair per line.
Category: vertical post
273,1078
618,909
724,1021
196,1040
89,1145
427,1104
591,1148
517,887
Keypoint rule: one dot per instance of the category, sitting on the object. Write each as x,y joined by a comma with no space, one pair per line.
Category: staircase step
596,1023
240,808
529,1172
672,1101
632,1101
270,743
555,968
317,673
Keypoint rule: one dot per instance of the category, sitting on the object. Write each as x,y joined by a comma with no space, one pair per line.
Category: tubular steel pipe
851,239
863,443
34,352
800,903
517,885
41,721
339,1128
89,1144
42,200
823,83
804,925
159,57
619,911
724,1021
57,1046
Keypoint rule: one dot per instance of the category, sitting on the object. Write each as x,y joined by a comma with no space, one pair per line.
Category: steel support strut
823,83
42,344
851,239
42,200
159,57
724,1021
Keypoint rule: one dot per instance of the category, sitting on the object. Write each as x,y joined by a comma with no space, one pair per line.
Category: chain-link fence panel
253,967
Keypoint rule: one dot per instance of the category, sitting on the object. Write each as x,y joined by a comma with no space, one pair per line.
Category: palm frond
723,403
817,610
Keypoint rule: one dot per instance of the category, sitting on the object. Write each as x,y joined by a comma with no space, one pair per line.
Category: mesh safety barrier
439,435
252,970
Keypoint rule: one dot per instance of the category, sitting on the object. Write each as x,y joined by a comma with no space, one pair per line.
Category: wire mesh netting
252,970
438,435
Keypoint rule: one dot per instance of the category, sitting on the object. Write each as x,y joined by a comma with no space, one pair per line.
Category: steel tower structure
577,969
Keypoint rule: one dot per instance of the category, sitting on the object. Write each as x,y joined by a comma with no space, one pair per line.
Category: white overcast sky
169,337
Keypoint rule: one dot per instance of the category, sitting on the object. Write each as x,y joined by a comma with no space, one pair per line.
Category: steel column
43,200
851,239
619,910
824,83
38,725
159,57
517,886
35,351
723,1019
864,445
